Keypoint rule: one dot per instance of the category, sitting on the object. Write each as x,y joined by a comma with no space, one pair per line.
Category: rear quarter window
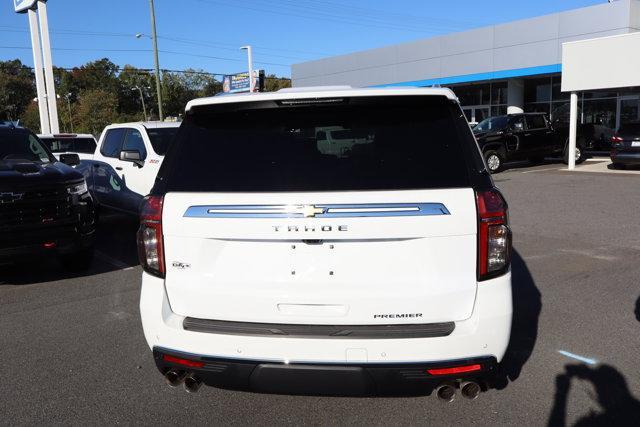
388,143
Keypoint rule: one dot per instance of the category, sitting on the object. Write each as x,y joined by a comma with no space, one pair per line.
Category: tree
96,109
17,89
273,83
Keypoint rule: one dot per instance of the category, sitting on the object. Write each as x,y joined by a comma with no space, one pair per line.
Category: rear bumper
484,336
304,378
626,158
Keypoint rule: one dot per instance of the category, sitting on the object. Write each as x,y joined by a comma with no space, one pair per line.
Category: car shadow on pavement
115,249
617,406
527,304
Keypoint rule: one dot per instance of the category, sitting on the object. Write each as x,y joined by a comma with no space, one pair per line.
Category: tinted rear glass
536,122
383,143
630,129
161,138
493,123
19,144
75,145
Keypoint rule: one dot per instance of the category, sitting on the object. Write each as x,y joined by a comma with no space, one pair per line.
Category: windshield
492,123
383,143
161,138
19,144
73,145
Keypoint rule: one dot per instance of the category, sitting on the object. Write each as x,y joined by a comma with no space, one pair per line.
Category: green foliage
100,92
17,89
96,109
273,83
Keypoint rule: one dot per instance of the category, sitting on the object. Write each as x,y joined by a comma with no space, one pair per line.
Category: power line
150,71
147,50
327,17
17,29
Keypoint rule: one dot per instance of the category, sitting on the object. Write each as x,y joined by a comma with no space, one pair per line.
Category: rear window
536,122
382,143
161,138
74,145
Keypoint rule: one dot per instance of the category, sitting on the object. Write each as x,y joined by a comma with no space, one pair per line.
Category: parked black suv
44,204
525,136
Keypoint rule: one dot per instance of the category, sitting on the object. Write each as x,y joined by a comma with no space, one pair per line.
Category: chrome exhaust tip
446,392
174,378
470,389
192,383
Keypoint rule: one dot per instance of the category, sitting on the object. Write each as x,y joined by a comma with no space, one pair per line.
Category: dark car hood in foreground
23,173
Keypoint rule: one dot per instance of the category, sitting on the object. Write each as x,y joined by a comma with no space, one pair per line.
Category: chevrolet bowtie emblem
309,211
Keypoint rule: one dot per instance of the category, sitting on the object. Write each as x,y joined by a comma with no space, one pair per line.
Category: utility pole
252,80
69,105
154,38
144,108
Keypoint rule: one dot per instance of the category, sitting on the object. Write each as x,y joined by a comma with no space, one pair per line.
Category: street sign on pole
22,6
39,73
48,67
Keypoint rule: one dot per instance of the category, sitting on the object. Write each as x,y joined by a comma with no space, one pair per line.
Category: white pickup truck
125,163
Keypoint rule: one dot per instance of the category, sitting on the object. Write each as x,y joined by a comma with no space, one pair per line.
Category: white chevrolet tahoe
273,265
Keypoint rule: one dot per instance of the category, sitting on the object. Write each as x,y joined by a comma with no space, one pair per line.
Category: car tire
78,261
494,161
581,154
618,166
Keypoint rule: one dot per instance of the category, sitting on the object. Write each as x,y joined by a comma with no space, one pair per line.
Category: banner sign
240,82
24,5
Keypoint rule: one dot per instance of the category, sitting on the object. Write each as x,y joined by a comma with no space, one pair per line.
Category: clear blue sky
206,34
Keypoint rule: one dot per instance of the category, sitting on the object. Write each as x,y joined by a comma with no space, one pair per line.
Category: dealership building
508,68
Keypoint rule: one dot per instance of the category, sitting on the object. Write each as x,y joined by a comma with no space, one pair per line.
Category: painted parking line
577,357
542,170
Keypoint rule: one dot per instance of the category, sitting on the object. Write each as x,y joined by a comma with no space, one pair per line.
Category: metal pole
48,67
37,69
70,117
144,108
252,80
573,128
155,55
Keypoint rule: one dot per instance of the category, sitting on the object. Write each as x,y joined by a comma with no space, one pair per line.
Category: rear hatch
261,225
630,134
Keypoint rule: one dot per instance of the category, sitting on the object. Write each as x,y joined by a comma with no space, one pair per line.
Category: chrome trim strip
317,211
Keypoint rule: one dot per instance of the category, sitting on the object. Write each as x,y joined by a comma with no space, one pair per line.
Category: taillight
455,370
494,235
150,243
616,140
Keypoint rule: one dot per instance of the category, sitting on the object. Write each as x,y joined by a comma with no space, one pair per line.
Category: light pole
68,96
252,81
144,108
154,39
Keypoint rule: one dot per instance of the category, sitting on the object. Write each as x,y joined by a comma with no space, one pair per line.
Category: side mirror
132,156
71,159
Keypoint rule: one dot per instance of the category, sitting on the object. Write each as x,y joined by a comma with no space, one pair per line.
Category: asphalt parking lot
73,352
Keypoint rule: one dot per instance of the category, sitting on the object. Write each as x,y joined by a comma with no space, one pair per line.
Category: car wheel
78,261
618,166
580,154
494,161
